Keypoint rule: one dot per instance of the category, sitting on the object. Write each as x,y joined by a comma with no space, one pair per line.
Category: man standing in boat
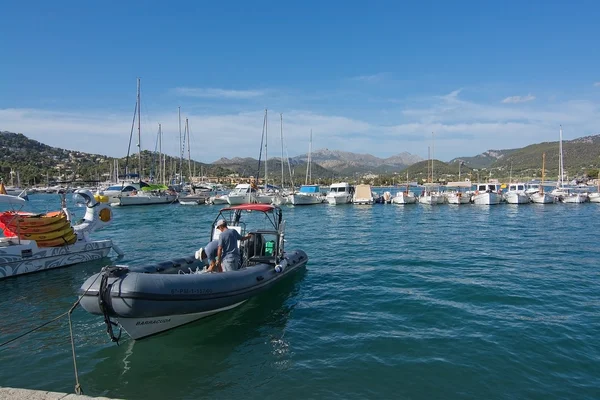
228,253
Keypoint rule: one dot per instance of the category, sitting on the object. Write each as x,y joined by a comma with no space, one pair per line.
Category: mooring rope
78,389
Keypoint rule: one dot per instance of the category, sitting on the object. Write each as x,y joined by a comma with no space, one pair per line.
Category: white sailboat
281,197
149,194
564,194
262,196
540,197
429,195
406,196
309,194
198,195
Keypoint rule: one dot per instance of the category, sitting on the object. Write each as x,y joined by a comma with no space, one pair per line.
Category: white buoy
281,266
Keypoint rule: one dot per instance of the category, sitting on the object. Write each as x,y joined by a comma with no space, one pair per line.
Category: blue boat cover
309,189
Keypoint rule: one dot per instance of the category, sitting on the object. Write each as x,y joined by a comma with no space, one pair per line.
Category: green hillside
581,157
39,163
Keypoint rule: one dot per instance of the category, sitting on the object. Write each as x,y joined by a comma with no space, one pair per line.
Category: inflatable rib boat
149,299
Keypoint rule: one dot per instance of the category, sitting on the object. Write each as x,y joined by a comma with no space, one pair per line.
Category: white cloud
462,128
597,84
218,93
518,99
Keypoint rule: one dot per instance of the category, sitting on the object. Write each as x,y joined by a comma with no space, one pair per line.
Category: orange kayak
12,220
57,226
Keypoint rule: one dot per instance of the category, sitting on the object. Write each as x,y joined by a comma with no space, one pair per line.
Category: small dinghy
153,298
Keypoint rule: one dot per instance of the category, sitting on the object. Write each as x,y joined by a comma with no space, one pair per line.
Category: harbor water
403,302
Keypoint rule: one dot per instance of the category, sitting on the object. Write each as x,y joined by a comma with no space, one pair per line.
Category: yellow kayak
61,241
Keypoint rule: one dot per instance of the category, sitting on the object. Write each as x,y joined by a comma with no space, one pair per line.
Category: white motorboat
22,256
307,195
218,199
280,198
193,199
542,198
516,194
594,197
458,195
386,197
455,197
340,193
262,197
241,194
575,198
405,197
363,195
531,188
431,197
487,194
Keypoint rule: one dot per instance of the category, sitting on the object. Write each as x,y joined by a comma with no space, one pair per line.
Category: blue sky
373,77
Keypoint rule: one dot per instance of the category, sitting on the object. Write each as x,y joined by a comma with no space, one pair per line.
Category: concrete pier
27,394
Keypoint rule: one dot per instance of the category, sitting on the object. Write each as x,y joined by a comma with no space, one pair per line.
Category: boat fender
281,266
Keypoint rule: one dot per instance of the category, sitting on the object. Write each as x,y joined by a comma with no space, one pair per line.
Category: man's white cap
221,222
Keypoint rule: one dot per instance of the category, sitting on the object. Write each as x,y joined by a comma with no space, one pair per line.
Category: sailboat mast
543,172
432,156
429,164
560,160
266,154
139,144
281,136
187,129
180,147
160,166
308,170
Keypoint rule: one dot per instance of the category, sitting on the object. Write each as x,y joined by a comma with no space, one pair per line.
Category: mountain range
36,161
